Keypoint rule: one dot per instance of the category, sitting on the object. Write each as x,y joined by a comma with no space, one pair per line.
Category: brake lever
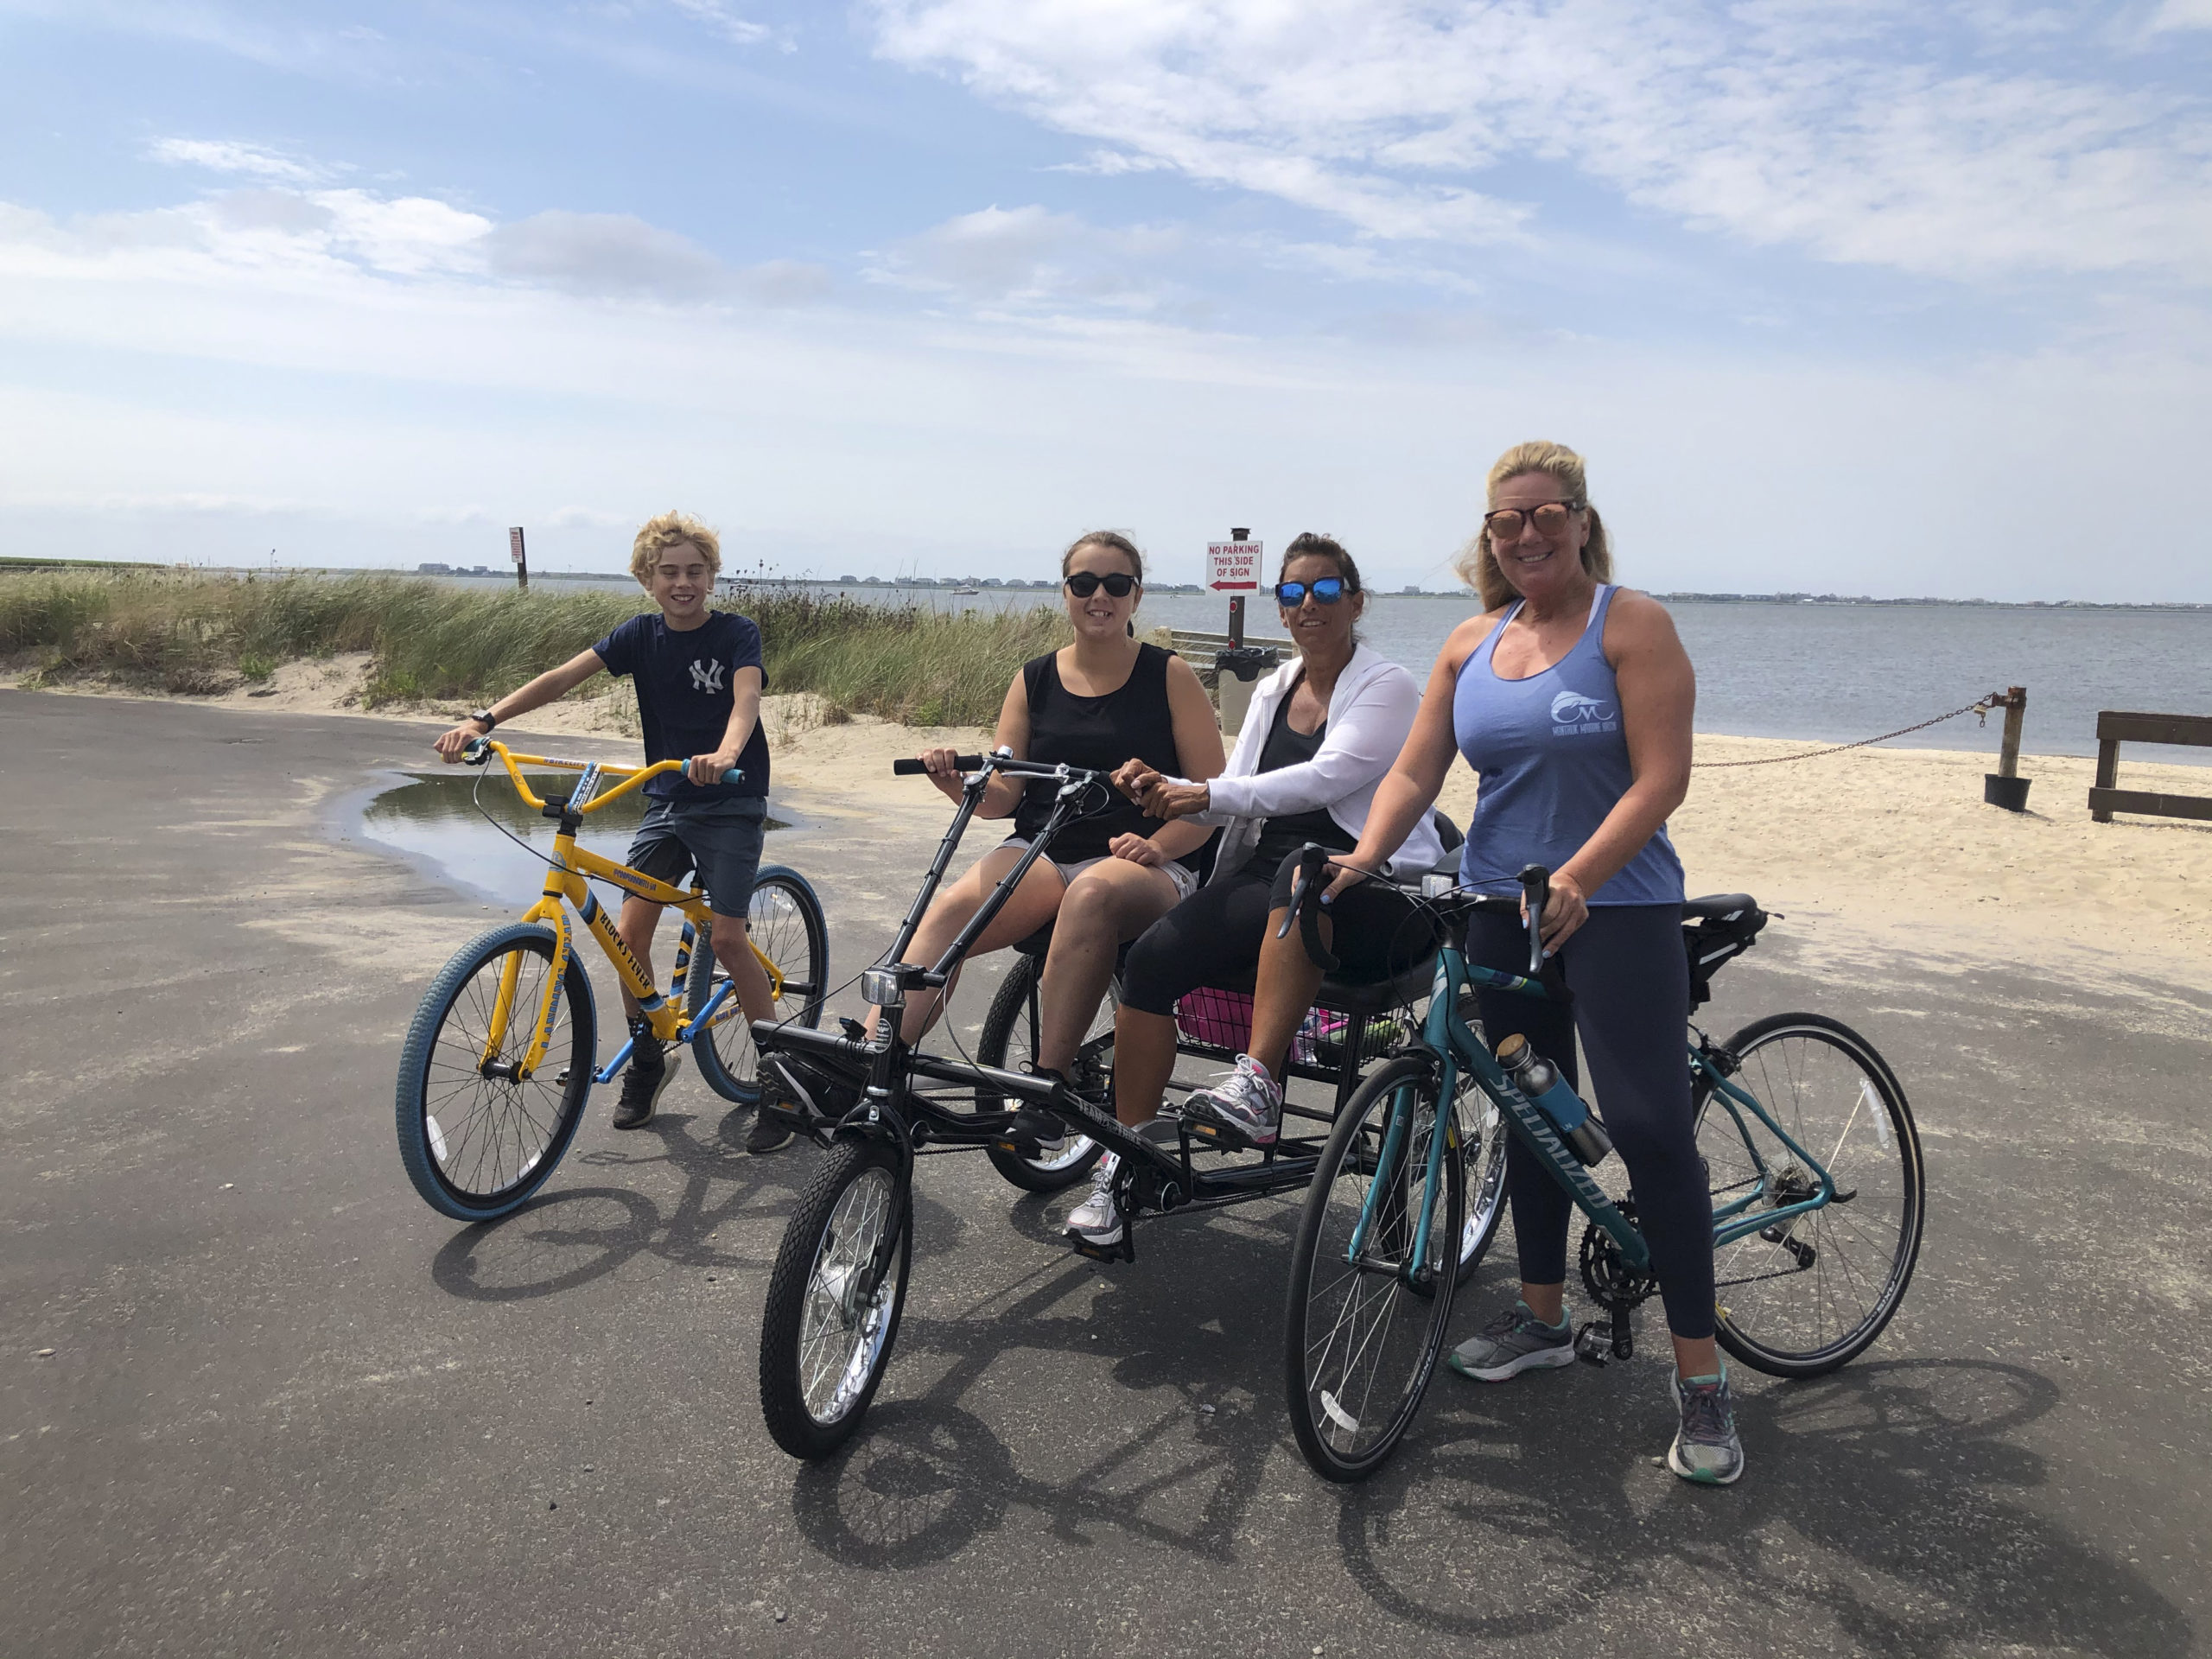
1536,893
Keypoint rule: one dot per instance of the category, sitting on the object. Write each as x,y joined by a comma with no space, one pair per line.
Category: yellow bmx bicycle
499,1061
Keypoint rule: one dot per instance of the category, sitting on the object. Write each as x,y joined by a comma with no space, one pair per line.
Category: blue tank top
1554,761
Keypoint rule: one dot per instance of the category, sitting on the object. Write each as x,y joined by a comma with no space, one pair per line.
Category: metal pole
522,561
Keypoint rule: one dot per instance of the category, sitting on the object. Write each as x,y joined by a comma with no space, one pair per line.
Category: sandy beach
1863,852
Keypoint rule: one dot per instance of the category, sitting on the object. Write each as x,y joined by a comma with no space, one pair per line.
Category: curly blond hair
1478,566
657,536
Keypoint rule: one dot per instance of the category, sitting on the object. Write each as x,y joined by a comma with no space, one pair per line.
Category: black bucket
2011,793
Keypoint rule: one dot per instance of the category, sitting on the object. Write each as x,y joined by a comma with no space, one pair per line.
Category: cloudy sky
1865,296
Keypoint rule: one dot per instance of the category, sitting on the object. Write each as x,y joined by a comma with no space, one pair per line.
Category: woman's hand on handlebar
1565,911
1138,850
941,768
1341,876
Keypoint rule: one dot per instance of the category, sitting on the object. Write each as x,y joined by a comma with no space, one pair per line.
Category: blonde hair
657,536
1477,565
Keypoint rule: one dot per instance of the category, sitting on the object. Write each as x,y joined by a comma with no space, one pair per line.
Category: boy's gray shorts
720,839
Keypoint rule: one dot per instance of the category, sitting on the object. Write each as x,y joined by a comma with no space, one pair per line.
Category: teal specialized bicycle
1811,1155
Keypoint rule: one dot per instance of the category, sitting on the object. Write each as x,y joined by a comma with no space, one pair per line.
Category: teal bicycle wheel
1362,1332
1806,1293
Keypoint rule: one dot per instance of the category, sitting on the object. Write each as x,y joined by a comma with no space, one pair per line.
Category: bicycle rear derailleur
1614,1286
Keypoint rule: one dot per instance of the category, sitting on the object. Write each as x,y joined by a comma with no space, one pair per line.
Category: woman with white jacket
1321,733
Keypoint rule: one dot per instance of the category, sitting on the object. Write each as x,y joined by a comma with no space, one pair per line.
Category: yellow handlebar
631,777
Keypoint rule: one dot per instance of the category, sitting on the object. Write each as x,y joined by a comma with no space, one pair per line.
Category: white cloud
1031,255
621,254
726,21
1845,129
227,155
2183,14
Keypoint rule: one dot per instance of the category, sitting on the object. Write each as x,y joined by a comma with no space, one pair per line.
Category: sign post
1233,566
515,552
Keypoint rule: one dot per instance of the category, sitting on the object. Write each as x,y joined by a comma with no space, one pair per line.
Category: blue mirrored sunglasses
1328,590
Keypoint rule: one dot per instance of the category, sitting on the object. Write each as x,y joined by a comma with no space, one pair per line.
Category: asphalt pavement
287,1408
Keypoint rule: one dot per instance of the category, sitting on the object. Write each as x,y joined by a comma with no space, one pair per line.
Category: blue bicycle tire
426,1152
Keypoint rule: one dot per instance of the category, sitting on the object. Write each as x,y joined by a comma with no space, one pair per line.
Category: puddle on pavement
436,818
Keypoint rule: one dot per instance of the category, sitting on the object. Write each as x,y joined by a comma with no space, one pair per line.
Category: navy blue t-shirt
683,697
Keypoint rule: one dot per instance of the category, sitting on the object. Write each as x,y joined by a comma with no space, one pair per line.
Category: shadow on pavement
571,1236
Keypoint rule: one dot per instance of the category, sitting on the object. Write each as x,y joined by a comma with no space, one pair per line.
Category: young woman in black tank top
1099,702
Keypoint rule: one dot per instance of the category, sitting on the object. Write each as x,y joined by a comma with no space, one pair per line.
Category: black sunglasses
1328,591
1084,583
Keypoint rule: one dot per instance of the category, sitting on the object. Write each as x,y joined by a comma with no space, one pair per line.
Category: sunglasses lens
1505,525
1082,586
1290,593
1329,589
1119,586
1551,520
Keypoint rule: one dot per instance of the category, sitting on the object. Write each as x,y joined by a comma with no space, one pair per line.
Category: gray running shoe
1247,1100
1098,1219
1515,1341
1705,1449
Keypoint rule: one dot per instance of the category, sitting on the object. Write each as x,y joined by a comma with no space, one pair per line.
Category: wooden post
2016,709
2107,773
515,552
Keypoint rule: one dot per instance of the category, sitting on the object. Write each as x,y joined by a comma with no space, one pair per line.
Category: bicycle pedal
1217,1134
1591,1345
1122,1250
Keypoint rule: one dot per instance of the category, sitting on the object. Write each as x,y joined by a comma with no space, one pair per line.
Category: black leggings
1630,980
1213,937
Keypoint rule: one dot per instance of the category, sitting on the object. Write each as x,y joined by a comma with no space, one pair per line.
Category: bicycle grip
1536,893
1305,906
912,767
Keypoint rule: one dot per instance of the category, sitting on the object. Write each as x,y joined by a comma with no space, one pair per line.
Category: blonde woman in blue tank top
1572,700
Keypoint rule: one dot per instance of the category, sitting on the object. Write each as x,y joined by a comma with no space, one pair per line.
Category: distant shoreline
950,584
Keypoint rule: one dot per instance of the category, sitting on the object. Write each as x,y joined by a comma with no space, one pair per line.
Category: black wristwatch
491,720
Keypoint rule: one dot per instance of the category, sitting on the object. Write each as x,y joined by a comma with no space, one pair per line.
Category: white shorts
1184,878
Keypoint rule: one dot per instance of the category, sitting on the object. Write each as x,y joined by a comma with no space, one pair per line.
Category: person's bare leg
635,927
1548,1303
734,950
1283,992
1108,903
1144,1059
1031,906
1694,1356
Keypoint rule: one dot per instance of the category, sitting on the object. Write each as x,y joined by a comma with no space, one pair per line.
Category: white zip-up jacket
1370,713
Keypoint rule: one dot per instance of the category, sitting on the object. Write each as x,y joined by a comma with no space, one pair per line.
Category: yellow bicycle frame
566,881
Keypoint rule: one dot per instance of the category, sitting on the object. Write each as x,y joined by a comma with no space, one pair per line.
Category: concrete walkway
289,1409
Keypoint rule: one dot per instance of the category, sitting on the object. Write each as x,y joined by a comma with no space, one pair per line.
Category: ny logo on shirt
707,677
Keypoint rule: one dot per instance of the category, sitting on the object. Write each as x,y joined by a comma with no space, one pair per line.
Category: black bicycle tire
1819,1361
783,1402
1323,1460
1008,1004
411,1104
699,979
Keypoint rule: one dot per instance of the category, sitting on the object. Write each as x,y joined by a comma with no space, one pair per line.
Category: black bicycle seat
1716,904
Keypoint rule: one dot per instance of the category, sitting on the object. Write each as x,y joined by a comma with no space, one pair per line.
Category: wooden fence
2114,727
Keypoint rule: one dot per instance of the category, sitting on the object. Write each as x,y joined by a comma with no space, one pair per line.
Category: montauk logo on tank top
1572,713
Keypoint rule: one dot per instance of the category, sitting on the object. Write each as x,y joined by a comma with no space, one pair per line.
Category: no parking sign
1232,565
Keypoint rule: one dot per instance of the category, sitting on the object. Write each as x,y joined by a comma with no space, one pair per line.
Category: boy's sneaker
1247,1100
771,1132
1705,1449
1515,1341
641,1087
1098,1219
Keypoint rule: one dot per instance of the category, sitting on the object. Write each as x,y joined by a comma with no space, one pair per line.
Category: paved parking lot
288,1408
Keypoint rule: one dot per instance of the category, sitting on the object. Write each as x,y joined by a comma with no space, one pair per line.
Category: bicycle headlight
880,988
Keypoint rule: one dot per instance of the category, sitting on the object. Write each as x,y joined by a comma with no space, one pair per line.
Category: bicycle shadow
566,1238
1879,1499
927,1476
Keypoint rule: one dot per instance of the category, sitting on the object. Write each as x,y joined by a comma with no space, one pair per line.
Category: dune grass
193,634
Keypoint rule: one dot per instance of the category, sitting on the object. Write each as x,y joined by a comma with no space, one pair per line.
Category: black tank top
1133,723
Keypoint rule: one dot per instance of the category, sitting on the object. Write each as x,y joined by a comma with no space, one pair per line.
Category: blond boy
699,679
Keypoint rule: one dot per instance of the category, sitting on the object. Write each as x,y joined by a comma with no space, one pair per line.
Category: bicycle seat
1716,904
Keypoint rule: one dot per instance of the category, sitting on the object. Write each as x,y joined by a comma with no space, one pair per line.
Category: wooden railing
2115,727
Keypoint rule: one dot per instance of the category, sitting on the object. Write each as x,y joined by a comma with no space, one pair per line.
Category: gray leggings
1630,978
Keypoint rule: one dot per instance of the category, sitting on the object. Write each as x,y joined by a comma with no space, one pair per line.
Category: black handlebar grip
911,767
1306,905
1536,893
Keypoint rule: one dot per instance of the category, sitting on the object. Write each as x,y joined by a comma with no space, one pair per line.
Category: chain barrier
1994,700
